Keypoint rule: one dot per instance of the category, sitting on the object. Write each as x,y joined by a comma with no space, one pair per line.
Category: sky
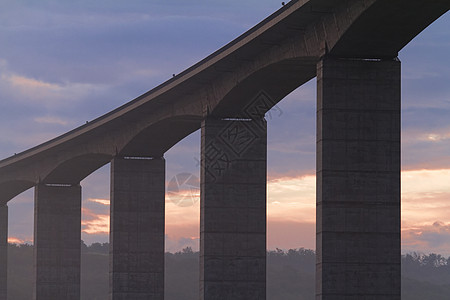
63,63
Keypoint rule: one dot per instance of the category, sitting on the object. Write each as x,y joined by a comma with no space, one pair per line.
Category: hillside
290,274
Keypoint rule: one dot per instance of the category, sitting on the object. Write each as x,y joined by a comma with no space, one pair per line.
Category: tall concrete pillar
57,241
3,251
233,210
358,179
137,228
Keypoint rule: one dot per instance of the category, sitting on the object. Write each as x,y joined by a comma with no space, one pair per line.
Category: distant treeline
290,274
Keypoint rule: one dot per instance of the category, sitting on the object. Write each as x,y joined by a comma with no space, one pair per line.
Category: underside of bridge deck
351,46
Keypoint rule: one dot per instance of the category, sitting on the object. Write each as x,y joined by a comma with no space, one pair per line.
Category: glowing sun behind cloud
291,214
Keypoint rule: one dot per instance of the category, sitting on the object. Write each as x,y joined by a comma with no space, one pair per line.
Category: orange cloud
16,240
27,83
176,244
292,199
181,216
93,223
425,197
290,235
176,231
51,120
433,237
186,197
291,213
47,93
100,201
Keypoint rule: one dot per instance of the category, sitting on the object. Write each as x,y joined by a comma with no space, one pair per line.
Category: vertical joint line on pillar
354,97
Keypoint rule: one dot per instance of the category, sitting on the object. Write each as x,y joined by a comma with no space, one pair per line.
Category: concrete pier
57,241
233,210
3,251
137,228
358,179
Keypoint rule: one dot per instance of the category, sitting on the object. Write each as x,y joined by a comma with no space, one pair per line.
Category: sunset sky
63,63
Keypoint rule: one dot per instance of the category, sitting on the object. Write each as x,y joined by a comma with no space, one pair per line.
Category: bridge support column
233,210
137,228
3,251
358,179
57,241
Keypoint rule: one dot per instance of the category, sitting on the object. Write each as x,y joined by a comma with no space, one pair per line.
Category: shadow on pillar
137,228
358,179
233,210
57,242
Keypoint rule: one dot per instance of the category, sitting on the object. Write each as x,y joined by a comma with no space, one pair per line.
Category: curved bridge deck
351,46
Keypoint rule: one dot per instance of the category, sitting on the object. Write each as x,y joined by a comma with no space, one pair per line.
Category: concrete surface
137,229
279,54
358,163
233,210
57,242
358,179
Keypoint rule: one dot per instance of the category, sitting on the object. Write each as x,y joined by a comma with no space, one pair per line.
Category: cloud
24,83
425,199
425,196
95,217
93,223
430,135
417,184
427,146
180,235
290,234
39,92
39,110
429,238
16,240
437,136
177,244
65,63
415,74
291,213
20,142
51,120
97,186
100,201
436,235
179,216
292,199
291,136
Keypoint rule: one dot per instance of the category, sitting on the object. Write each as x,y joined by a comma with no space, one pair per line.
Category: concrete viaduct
352,47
